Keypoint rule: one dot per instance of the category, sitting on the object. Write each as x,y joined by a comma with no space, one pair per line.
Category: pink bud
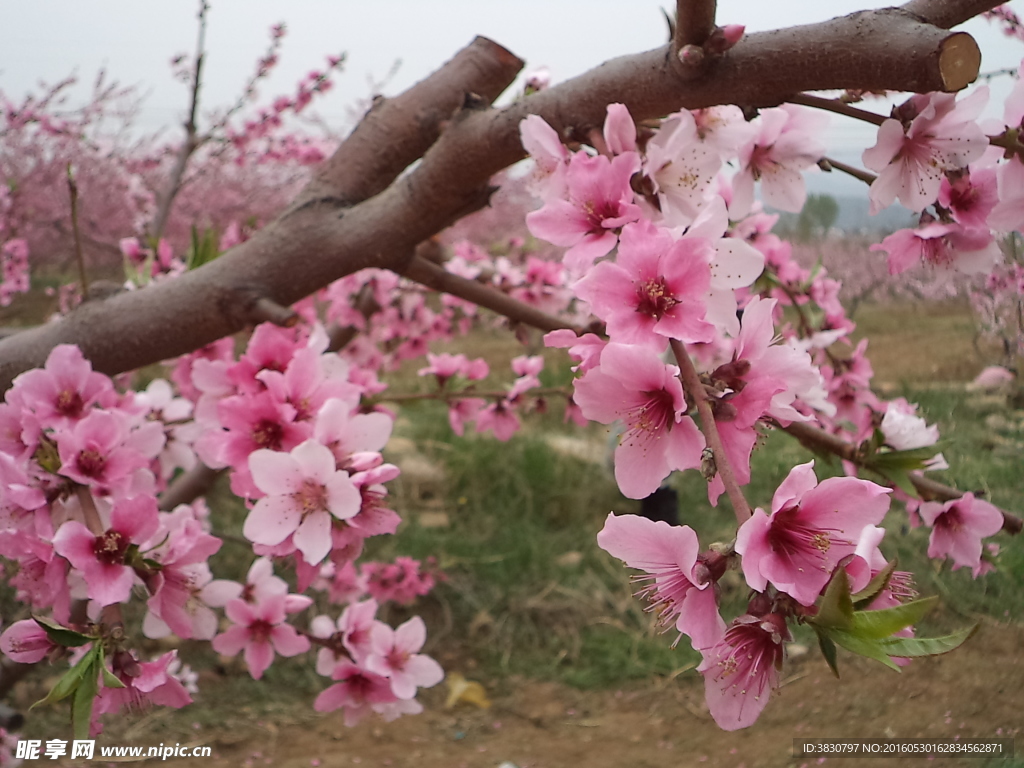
732,33
25,642
724,38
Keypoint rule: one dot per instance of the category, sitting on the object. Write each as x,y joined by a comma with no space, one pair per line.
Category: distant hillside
852,217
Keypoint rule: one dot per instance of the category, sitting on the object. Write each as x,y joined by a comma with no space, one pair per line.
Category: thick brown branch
397,131
817,439
948,13
431,275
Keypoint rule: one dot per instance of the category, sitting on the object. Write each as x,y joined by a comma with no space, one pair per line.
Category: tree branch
397,131
322,239
946,14
695,21
433,276
827,164
697,395
189,486
837,106
192,141
817,439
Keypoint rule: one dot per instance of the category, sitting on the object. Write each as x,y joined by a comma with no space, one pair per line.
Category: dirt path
977,691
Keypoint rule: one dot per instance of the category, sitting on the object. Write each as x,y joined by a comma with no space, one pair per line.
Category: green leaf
913,458
836,608
205,248
828,650
69,683
913,647
881,624
62,635
872,649
85,695
901,479
874,587
110,680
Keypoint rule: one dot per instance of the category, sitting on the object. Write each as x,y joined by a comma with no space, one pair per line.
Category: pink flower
304,492
178,586
346,433
619,130
668,554
500,418
654,290
393,654
742,669
25,642
261,631
784,146
945,246
681,167
600,201
106,560
633,385
1008,213
911,161
66,388
464,409
353,630
970,196
146,683
550,157
100,450
811,528
958,526
763,378
992,379
358,691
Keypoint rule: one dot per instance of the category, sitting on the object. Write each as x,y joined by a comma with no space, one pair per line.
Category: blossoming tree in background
689,322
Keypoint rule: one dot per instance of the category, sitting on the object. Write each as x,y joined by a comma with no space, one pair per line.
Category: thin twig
493,394
839,107
89,511
827,164
695,389
192,139
427,273
79,257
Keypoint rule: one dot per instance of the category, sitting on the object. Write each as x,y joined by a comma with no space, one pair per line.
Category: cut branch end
959,61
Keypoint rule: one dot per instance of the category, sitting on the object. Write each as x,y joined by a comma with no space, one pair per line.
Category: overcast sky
135,40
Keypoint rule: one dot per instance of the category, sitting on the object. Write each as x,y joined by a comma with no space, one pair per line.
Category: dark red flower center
91,462
69,403
110,547
268,434
654,299
260,630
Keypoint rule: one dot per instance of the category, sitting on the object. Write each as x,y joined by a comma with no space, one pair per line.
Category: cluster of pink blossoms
935,156
655,258
83,464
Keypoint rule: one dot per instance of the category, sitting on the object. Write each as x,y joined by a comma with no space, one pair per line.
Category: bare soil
974,692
